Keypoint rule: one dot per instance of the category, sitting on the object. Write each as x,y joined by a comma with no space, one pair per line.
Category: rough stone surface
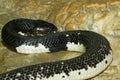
102,16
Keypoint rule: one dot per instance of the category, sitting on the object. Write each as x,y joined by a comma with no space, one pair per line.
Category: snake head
42,28
30,27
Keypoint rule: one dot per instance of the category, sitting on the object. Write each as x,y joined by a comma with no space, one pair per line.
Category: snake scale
23,36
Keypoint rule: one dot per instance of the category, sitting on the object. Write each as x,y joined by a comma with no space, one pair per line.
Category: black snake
23,36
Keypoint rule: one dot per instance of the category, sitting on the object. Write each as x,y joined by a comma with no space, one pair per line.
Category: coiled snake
24,36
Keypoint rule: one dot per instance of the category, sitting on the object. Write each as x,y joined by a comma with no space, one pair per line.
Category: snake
29,36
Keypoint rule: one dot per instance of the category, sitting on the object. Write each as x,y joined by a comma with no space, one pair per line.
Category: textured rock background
102,16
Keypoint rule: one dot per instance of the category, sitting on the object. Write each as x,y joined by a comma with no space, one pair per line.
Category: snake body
94,60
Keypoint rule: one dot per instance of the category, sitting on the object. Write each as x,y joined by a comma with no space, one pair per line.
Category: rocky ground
101,16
